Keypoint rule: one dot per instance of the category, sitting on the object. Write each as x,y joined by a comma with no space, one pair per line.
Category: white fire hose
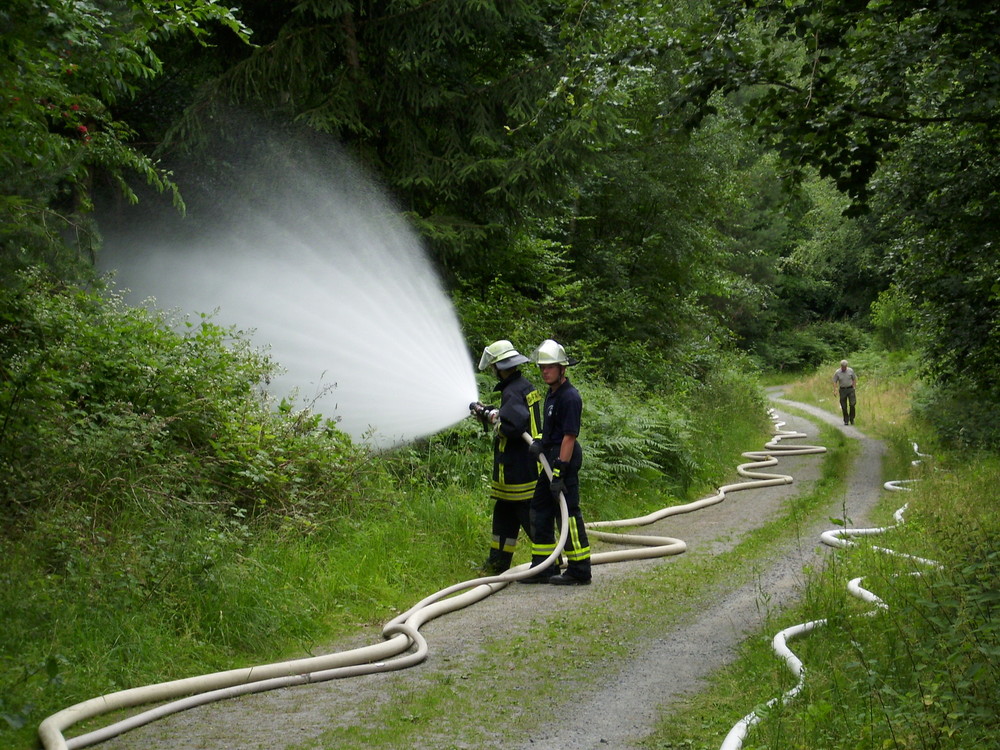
402,633
661,546
840,538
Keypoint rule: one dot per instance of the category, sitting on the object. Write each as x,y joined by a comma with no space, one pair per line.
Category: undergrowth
163,517
920,675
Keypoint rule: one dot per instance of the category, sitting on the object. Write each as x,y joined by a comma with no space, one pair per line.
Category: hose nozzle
486,415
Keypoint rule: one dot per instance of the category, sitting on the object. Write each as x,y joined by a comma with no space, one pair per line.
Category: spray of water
305,254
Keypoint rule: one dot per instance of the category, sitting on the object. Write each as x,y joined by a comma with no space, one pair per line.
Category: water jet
303,252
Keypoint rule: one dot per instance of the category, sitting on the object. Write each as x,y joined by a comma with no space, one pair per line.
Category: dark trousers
509,517
545,521
848,400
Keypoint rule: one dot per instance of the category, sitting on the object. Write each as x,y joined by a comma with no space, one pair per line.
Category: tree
470,113
898,103
839,85
940,193
522,139
63,68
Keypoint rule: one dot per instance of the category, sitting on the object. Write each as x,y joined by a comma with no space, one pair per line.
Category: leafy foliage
809,346
654,443
526,141
63,68
923,673
897,104
838,85
103,401
940,193
961,413
669,440
892,320
468,111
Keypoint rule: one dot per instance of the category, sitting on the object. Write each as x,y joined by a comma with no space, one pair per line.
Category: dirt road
609,713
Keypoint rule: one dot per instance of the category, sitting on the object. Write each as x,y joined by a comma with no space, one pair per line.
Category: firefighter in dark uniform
515,468
560,428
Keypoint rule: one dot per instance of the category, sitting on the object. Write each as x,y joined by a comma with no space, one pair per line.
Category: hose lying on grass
660,546
840,538
402,634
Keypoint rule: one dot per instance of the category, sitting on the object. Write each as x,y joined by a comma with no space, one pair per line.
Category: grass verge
436,712
923,673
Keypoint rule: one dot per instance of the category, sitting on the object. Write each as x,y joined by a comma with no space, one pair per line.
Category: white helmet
502,354
551,352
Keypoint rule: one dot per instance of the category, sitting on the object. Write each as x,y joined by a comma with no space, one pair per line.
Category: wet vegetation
692,197
919,673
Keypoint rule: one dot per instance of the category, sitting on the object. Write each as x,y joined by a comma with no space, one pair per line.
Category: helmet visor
511,362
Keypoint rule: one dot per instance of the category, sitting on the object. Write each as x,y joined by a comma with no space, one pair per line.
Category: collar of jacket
516,375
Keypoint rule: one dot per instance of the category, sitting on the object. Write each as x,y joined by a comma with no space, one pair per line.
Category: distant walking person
845,380
515,468
560,429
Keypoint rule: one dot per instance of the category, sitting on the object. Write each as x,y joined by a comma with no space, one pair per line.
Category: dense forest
785,179
686,194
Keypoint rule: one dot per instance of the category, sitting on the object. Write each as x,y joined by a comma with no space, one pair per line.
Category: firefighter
560,429
515,468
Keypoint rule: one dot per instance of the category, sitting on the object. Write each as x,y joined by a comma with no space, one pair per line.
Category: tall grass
186,596
884,390
162,519
924,673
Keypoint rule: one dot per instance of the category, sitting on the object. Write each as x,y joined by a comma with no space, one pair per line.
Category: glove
535,449
556,484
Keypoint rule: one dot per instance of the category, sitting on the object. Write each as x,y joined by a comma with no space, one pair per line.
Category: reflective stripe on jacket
515,470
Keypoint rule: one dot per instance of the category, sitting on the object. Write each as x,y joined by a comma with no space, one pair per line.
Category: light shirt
844,378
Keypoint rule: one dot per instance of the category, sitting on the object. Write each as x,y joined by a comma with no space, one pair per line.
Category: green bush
841,336
623,443
893,319
161,517
962,416
143,469
682,435
109,405
807,347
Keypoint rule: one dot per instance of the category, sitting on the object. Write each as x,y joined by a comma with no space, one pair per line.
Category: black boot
497,563
543,576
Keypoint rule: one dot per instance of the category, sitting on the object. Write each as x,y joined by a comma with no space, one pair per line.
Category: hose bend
402,634
659,546
403,645
841,539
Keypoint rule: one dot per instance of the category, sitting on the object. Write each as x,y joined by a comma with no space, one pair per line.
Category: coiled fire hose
402,633
840,538
656,546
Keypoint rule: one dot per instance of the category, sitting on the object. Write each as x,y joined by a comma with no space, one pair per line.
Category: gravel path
611,713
